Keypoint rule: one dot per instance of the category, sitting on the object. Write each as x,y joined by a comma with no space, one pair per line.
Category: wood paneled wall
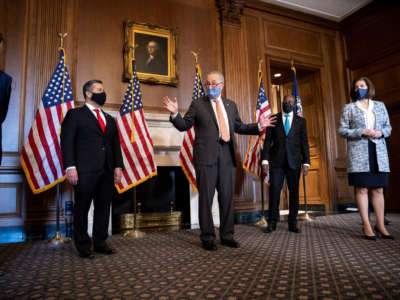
314,44
373,50
94,49
230,35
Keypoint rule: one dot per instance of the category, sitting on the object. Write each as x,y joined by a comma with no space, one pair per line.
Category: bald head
289,98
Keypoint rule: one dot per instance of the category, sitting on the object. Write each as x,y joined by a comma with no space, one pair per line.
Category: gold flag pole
129,221
196,56
262,222
132,218
305,216
58,237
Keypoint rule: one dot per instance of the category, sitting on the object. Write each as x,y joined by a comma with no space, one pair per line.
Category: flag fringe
186,172
120,191
31,185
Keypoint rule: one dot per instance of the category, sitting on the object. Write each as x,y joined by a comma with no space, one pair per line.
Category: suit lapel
107,117
93,118
208,104
294,122
279,123
228,115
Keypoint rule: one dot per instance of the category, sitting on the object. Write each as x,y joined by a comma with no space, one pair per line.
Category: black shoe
86,254
271,227
294,228
209,245
370,237
230,243
105,250
383,236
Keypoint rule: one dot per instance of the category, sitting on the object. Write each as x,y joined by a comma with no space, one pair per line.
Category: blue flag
295,92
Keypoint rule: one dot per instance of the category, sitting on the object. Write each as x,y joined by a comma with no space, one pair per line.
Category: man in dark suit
285,151
93,161
215,121
5,92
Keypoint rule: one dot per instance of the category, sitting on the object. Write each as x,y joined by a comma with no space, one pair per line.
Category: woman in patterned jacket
365,125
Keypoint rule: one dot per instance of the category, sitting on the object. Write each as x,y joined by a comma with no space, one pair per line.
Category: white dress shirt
92,108
369,115
214,106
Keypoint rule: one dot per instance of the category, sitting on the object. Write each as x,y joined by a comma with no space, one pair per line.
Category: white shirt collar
219,98
290,114
91,107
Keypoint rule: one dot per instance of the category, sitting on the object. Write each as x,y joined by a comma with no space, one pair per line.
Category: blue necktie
287,124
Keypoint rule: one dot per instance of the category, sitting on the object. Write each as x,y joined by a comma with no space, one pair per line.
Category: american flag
136,143
186,154
296,94
41,155
252,163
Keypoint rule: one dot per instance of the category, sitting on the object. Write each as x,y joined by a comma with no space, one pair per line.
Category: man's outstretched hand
170,105
267,121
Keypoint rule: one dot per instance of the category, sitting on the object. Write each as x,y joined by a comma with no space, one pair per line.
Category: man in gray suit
215,120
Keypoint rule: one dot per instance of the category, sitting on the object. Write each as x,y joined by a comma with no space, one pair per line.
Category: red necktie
101,122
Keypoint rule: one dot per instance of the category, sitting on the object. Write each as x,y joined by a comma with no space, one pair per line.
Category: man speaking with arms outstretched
215,120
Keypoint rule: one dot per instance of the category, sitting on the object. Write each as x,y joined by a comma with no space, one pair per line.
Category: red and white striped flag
186,154
252,162
41,155
136,143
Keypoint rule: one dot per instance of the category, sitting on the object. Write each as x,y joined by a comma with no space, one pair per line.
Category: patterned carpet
328,260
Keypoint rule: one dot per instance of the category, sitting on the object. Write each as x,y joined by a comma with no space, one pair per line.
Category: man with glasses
215,120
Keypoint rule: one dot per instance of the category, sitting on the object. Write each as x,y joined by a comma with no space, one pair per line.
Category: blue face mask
361,93
214,92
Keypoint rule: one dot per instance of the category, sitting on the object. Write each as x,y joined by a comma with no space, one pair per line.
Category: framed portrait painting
153,48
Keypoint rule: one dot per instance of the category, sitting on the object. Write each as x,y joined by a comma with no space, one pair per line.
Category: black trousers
220,176
277,176
99,187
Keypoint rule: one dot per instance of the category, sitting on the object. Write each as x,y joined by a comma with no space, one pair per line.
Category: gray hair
221,76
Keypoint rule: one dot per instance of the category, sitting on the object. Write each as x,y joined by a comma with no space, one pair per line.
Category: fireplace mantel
167,140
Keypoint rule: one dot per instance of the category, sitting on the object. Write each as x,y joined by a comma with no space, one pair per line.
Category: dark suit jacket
84,145
5,92
201,115
295,144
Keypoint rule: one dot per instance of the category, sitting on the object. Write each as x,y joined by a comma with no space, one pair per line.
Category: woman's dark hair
1,37
370,85
88,86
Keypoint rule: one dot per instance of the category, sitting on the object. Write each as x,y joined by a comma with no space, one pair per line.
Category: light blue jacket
352,124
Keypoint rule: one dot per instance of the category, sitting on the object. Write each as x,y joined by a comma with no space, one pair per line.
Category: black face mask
287,107
99,98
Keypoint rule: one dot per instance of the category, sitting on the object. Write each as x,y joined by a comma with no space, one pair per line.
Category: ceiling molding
334,10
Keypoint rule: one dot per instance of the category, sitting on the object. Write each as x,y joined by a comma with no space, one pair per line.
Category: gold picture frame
154,49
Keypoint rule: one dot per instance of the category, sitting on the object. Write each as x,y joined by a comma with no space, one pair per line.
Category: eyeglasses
213,85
